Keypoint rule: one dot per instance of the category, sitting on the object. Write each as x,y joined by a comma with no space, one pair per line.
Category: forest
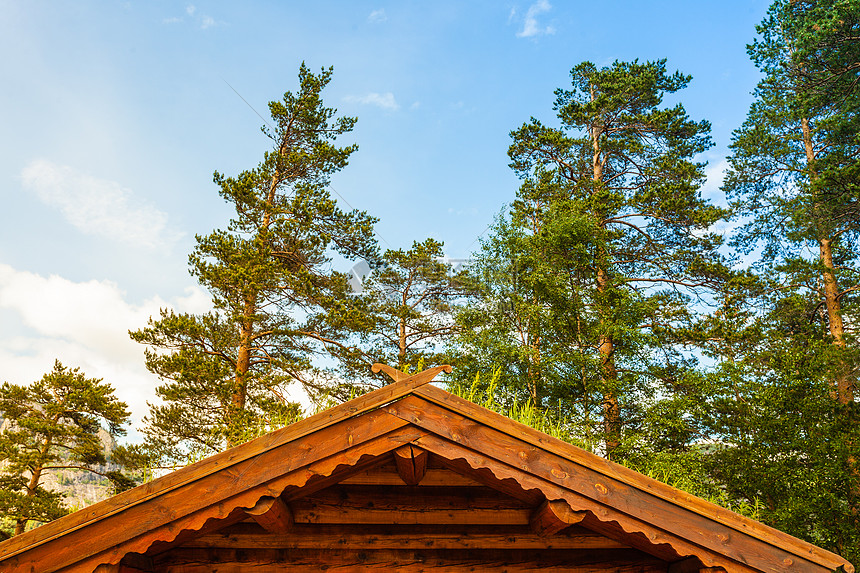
611,305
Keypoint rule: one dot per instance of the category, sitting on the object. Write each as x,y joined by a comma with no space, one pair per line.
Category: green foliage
589,284
410,302
53,424
684,470
783,393
277,303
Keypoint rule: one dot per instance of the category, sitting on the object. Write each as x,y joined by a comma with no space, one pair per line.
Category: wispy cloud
202,20
377,16
531,26
384,101
97,206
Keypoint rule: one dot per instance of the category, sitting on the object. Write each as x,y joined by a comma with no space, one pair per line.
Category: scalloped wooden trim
630,525
224,509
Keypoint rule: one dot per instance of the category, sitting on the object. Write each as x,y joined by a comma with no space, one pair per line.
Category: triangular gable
555,485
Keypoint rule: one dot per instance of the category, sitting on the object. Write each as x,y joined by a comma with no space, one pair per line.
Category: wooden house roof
409,478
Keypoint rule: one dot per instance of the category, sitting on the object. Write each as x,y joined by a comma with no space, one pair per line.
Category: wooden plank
384,475
333,537
728,518
163,519
552,516
600,488
323,514
411,464
637,533
218,462
509,487
197,560
119,568
272,514
692,565
410,505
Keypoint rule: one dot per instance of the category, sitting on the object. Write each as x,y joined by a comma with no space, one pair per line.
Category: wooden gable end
407,478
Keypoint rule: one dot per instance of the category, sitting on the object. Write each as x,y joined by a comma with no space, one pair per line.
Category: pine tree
795,166
410,301
789,407
611,242
277,303
53,424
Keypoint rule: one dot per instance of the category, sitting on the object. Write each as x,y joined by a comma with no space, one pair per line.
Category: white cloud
173,20
207,22
531,27
190,9
83,324
377,16
97,206
385,101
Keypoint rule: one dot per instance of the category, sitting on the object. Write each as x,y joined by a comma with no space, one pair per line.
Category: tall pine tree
610,243
277,303
793,180
410,301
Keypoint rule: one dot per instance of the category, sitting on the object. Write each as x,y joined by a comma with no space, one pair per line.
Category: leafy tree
277,303
609,238
505,333
53,424
780,438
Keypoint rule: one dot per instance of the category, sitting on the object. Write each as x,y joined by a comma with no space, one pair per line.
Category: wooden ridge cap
188,474
632,478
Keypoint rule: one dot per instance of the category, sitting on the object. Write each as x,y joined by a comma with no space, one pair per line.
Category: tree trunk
844,383
243,367
844,388
21,524
606,345
609,377
401,344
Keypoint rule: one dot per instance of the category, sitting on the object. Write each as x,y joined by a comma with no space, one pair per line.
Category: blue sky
116,114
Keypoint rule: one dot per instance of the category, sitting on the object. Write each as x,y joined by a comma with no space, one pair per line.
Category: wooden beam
410,506
272,514
387,475
334,537
411,464
205,560
552,516
692,565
